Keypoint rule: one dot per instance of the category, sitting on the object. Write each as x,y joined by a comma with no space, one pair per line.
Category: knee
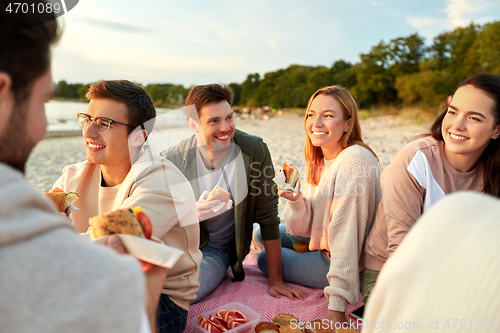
262,263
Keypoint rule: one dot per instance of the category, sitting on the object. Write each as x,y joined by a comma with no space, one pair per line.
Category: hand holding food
287,179
61,199
218,193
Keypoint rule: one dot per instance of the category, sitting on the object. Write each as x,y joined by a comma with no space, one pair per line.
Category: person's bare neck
210,158
462,163
113,175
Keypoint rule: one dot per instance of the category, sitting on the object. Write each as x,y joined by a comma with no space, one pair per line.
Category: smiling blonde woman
461,154
337,205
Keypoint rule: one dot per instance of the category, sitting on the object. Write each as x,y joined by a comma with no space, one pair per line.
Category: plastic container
252,316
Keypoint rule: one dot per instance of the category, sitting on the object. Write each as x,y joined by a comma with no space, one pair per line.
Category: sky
193,42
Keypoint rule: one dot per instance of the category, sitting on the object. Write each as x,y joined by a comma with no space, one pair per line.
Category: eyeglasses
101,124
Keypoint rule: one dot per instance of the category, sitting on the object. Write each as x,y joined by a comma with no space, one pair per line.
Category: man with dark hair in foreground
52,280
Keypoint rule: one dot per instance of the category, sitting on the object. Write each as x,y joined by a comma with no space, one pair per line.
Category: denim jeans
213,268
170,317
307,269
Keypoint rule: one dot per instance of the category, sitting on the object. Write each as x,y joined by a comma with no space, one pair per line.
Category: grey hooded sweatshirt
53,281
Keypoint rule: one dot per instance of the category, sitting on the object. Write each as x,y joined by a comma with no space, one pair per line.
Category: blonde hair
314,155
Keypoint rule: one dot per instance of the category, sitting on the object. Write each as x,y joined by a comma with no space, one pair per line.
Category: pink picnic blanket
252,292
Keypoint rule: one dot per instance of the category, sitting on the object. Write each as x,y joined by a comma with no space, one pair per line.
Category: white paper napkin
147,250
216,208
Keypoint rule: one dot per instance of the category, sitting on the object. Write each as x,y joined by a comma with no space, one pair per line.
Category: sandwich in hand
291,174
121,221
61,199
218,193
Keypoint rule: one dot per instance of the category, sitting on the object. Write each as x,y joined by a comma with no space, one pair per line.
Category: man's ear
137,138
195,127
6,99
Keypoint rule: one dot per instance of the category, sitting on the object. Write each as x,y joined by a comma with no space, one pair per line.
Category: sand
284,136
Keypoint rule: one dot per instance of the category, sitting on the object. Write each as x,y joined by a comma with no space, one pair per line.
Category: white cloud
423,22
461,12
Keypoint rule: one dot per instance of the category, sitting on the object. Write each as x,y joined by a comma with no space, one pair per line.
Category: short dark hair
25,40
139,104
210,93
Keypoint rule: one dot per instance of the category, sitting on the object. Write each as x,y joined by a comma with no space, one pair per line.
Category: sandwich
291,174
285,319
61,199
265,327
218,193
121,221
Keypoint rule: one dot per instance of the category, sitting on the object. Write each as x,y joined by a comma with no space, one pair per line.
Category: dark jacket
260,204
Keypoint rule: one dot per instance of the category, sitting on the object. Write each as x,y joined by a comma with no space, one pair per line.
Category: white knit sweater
337,214
444,275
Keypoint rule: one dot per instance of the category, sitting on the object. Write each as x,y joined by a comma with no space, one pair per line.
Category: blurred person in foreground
444,275
240,163
52,280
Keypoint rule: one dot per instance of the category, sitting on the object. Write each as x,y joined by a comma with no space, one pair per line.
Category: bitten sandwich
121,221
291,174
61,199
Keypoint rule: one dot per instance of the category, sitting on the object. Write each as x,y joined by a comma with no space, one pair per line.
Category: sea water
61,116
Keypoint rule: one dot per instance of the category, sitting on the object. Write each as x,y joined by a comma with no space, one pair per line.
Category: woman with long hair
461,154
337,205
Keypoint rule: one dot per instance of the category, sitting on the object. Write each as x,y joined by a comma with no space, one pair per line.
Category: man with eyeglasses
122,171
51,279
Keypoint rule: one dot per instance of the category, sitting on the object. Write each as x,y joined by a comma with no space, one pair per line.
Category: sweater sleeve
352,211
402,199
166,197
298,216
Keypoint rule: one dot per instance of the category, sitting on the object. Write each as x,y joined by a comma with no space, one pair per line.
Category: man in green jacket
219,155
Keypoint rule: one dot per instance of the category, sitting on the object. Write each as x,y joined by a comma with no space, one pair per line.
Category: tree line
403,71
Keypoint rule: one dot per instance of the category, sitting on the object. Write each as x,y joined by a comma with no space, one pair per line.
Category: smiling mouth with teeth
319,133
457,137
224,137
91,145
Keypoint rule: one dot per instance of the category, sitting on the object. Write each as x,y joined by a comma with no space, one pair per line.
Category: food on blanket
218,193
317,326
291,174
265,327
61,199
224,320
285,319
121,221
292,328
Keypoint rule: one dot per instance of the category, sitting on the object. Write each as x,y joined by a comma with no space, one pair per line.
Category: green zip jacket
255,198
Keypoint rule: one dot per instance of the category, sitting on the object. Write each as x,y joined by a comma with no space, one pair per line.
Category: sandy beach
284,136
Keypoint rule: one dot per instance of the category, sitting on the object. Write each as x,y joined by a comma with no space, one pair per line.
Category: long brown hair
490,85
314,155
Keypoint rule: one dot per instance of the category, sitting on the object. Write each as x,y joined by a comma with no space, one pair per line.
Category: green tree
249,87
236,87
82,90
486,49
177,95
453,52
